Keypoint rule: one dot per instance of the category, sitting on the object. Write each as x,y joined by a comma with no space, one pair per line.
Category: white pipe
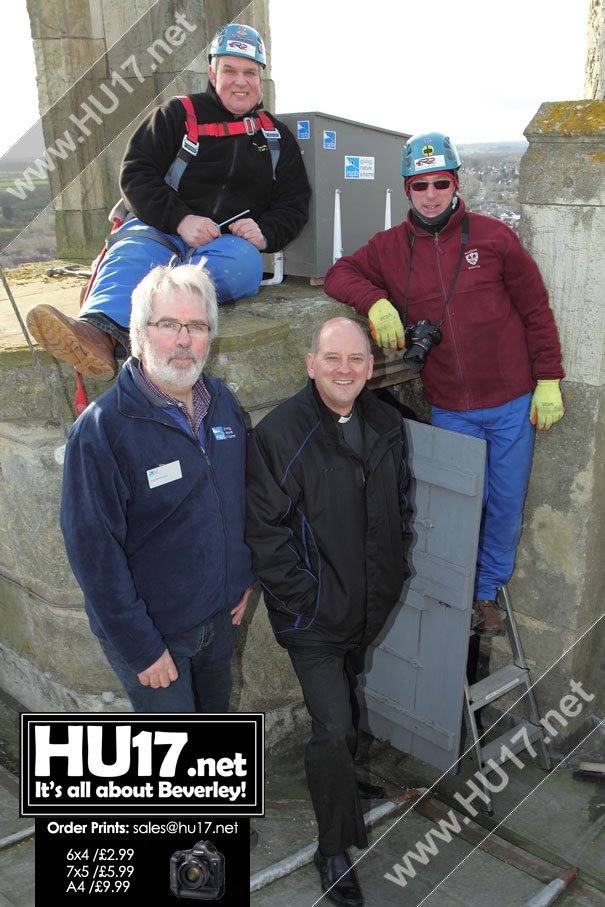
551,892
387,210
337,249
18,836
283,868
278,271
305,855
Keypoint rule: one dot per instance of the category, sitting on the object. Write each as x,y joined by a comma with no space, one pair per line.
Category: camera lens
194,874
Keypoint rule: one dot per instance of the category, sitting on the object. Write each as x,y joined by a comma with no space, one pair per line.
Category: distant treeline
489,183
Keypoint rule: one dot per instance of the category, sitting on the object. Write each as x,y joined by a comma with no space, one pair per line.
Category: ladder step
522,735
515,740
497,684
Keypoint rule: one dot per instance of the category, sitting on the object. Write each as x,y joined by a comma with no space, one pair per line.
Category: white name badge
167,472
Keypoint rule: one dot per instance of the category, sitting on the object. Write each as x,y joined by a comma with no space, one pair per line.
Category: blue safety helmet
429,152
238,41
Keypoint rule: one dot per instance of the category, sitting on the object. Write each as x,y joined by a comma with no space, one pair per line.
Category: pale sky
476,70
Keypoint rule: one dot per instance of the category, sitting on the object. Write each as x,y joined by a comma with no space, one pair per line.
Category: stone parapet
559,578
562,195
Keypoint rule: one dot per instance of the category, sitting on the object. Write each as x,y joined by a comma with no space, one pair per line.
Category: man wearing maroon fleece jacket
467,300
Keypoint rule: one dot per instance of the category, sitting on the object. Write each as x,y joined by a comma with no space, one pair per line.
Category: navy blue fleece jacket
155,558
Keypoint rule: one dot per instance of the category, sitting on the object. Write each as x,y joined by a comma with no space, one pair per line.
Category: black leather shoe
253,837
336,871
369,791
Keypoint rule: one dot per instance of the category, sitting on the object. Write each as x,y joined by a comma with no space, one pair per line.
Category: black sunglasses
422,185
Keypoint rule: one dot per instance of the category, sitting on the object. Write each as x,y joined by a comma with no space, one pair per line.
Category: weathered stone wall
559,582
102,65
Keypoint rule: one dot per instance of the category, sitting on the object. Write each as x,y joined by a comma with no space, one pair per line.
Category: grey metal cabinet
359,162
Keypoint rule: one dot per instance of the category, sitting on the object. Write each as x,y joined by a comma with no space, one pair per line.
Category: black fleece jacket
329,531
229,174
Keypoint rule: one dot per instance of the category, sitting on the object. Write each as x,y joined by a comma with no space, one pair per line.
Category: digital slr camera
198,873
420,339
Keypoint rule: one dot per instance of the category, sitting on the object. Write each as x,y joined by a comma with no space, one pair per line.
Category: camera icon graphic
199,873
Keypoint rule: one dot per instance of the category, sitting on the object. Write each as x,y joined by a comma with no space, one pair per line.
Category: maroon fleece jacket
499,333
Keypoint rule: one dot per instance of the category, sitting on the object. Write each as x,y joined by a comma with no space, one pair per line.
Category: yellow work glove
546,405
385,325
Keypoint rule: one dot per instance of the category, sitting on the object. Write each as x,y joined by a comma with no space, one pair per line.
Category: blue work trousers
509,437
234,264
202,657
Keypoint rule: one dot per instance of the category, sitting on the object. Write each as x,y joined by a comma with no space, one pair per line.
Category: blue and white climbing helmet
238,41
429,152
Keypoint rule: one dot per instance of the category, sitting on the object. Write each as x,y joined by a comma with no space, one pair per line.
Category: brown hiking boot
487,618
80,343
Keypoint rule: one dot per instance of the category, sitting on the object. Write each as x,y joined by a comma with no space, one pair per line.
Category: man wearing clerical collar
328,524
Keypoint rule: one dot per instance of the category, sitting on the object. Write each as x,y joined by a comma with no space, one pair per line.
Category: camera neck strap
411,239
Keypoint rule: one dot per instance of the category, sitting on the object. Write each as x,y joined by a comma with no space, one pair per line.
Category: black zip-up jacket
229,174
328,531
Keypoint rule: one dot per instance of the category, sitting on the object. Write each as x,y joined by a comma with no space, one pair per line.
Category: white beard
160,370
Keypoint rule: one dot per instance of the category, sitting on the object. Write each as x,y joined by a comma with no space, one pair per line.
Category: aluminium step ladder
488,756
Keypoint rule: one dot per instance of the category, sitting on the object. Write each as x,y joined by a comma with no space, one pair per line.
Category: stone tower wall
594,85
102,66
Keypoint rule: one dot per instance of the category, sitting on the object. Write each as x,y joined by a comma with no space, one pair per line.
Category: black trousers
328,682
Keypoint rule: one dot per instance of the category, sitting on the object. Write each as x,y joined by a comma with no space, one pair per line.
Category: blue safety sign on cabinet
303,129
329,139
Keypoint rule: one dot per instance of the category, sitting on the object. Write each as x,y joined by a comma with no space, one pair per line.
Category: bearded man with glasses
153,505
459,290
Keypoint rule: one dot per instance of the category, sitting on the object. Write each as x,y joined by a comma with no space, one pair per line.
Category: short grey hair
318,330
161,281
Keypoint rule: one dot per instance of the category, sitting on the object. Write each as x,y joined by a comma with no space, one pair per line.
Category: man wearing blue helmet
459,290
209,177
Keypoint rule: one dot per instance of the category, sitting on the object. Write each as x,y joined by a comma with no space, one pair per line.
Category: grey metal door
412,691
